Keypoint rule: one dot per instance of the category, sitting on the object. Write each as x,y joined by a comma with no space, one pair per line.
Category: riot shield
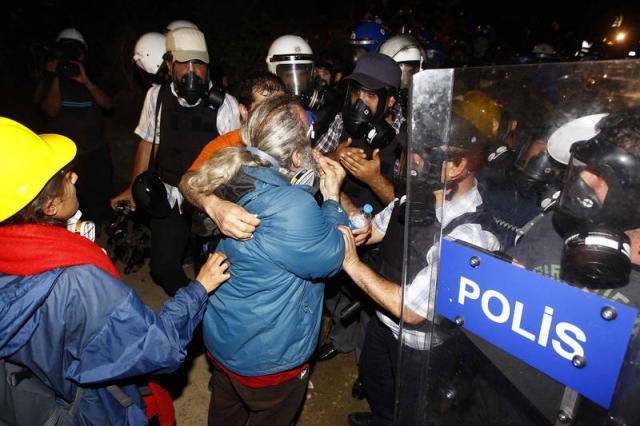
522,307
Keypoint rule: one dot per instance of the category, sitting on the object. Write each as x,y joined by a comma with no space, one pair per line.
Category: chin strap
452,185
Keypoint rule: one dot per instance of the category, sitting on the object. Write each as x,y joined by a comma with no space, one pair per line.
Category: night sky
239,32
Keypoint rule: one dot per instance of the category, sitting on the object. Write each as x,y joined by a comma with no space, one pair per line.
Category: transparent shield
494,329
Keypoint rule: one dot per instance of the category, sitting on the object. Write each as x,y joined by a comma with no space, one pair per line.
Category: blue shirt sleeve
114,335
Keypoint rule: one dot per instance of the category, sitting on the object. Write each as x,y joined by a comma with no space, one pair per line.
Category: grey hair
219,169
274,127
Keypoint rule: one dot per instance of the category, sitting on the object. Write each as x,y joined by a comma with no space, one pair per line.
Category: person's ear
391,102
296,159
51,207
244,113
455,171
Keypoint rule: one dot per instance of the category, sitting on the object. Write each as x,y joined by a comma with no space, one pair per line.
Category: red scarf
33,249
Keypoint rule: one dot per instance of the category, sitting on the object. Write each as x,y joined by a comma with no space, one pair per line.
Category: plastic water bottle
360,220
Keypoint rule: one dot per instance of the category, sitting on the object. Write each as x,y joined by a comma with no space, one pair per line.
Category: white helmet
402,48
291,59
179,23
71,34
288,49
149,51
406,51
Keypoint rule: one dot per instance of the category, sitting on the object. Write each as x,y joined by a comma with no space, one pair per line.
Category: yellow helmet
481,110
27,162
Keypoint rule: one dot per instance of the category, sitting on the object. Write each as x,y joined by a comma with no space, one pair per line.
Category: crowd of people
263,184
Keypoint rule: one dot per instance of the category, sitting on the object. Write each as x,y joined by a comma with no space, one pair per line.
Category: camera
129,240
68,69
66,52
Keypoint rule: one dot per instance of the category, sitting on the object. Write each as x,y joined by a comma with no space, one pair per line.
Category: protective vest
423,236
184,132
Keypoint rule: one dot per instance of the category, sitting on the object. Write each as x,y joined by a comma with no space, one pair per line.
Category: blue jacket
81,325
266,318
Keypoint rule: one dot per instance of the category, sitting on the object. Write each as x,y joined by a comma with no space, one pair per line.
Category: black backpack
25,400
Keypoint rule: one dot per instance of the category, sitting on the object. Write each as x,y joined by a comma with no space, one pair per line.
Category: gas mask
597,252
533,177
356,119
426,178
298,81
313,99
191,87
359,121
499,164
305,175
597,257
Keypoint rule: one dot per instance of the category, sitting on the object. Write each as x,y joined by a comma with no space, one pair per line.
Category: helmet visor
297,78
408,70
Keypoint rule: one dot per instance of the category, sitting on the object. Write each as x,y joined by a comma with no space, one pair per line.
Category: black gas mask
361,122
426,178
313,99
597,257
597,252
534,174
191,87
499,164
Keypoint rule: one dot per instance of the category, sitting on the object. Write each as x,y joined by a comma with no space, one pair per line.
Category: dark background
239,33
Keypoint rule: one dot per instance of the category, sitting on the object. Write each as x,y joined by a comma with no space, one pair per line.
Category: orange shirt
232,138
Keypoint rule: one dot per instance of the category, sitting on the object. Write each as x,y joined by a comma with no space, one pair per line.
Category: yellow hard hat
481,110
27,162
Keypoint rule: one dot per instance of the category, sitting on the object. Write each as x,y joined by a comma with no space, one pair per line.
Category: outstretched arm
385,293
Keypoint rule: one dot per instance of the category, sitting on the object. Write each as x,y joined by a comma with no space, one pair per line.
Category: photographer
74,105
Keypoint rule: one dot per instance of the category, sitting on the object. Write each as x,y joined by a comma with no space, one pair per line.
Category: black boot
327,352
361,419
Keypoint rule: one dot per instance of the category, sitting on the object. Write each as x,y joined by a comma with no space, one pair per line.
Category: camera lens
68,69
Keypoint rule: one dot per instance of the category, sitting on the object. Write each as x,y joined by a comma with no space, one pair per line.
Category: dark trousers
347,335
233,403
379,374
170,237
